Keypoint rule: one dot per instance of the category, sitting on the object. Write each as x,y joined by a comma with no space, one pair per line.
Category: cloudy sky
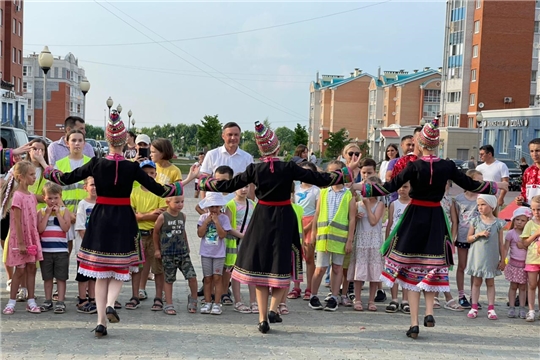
164,61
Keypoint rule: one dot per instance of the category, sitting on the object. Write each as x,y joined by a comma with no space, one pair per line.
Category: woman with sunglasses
391,153
350,153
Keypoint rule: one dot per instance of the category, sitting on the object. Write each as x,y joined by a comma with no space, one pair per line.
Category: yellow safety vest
332,234
37,189
72,194
231,243
299,212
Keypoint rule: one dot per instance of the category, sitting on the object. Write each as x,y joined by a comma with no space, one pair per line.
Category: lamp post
119,109
479,118
129,115
182,143
324,148
45,61
109,103
133,123
84,86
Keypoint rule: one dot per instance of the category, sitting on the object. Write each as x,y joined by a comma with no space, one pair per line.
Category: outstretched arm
69,178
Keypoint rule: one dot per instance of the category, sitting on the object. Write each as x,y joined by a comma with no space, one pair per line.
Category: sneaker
22,294
331,305
328,297
522,313
530,316
47,306
315,303
200,292
216,309
512,312
464,303
381,296
206,308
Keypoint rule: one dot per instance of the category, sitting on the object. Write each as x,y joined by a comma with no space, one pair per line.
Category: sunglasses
353,153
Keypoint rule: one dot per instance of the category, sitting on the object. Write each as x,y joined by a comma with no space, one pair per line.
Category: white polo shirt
495,171
219,156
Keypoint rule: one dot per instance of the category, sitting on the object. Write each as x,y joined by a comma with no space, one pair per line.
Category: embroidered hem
261,279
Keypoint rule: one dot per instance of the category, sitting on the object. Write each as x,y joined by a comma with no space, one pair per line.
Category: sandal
133,303
453,305
117,305
473,313
59,307
142,294
157,305
33,308
345,301
9,310
283,309
47,305
392,307
307,295
254,308
294,294
87,307
436,303
192,304
169,309
492,315
372,306
405,308
242,308
226,299
358,305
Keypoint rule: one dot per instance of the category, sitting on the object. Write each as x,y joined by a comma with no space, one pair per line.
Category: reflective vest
72,194
231,243
332,234
37,189
299,212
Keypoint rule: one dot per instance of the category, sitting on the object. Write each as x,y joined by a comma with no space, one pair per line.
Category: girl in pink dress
24,246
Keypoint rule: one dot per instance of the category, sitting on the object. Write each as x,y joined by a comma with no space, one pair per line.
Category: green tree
92,132
209,132
335,143
286,138
364,150
251,148
301,135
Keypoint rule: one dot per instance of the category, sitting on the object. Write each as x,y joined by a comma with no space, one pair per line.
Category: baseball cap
143,138
147,163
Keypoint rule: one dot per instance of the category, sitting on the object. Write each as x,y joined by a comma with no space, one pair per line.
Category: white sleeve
80,223
504,170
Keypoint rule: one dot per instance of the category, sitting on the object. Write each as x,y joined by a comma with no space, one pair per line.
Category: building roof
400,78
336,81
389,134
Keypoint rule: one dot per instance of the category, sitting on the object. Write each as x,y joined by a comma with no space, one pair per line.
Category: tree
286,138
92,132
364,150
335,143
251,148
209,132
300,135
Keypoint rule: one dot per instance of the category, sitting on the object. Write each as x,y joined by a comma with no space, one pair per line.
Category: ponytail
8,188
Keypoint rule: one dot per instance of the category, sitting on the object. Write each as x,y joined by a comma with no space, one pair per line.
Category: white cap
213,199
143,138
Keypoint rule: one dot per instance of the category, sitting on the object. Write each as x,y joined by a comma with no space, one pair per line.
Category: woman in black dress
112,246
420,252
265,258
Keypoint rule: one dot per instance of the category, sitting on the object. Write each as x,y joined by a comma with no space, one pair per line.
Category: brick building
64,96
14,105
489,58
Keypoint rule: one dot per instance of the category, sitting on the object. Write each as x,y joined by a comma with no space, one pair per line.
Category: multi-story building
14,105
490,61
64,96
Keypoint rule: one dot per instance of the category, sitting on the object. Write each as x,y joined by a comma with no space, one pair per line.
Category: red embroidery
530,177
402,163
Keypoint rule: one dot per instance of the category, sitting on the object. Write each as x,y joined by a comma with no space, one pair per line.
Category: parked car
13,137
104,147
513,167
33,137
461,165
98,151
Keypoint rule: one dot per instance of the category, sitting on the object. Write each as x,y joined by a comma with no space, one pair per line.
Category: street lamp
133,123
479,118
109,103
84,86
129,115
45,61
119,109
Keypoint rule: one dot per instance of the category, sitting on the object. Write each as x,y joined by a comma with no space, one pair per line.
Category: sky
127,53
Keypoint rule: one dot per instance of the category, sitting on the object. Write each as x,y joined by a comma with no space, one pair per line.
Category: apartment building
64,96
490,58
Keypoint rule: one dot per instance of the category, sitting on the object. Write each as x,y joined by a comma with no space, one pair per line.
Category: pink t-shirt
515,252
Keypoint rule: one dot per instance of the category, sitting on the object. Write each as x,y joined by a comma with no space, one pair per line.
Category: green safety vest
72,194
231,243
332,234
37,189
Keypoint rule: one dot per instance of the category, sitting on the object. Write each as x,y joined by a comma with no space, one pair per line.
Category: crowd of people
392,223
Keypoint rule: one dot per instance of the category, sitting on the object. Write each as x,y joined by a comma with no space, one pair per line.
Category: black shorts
462,245
4,227
197,187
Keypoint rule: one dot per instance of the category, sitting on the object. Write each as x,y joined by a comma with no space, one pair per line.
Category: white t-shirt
307,198
399,209
496,171
83,214
219,156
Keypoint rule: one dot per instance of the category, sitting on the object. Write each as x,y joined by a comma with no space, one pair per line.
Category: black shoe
331,305
264,327
464,303
112,315
274,317
315,303
351,288
413,332
100,331
381,296
201,291
429,321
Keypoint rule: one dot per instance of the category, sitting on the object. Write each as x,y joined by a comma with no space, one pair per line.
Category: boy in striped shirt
54,222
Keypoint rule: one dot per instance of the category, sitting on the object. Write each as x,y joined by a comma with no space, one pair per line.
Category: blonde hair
51,188
536,199
348,147
472,173
9,187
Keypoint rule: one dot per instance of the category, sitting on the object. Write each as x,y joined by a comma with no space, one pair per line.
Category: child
87,285
147,207
212,228
162,152
529,239
366,260
239,210
24,246
465,205
395,211
514,271
171,246
485,259
306,196
54,222
336,205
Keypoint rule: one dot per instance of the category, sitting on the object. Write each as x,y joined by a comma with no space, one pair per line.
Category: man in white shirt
229,154
493,169
59,149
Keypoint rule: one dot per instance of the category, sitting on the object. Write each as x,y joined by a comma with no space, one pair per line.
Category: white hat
143,138
522,210
213,199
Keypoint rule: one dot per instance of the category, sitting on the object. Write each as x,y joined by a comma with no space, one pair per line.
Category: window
518,137
24,86
30,120
534,75
56,73
20,56
535,52
536,26
472,99
531,100
473,75
431,110
453,120
503,141
78,108
475,51
27,87
14,26
432,96
20,28
477,26
29,103
14,56
471,123
536,133
478,4
1,17
25,70
490,137
454,96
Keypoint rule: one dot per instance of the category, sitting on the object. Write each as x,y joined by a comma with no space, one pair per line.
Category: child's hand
49,210
484,233
73,218
502,265
194,170
157,254
22,249
158,212
359,215
214,218
348,247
